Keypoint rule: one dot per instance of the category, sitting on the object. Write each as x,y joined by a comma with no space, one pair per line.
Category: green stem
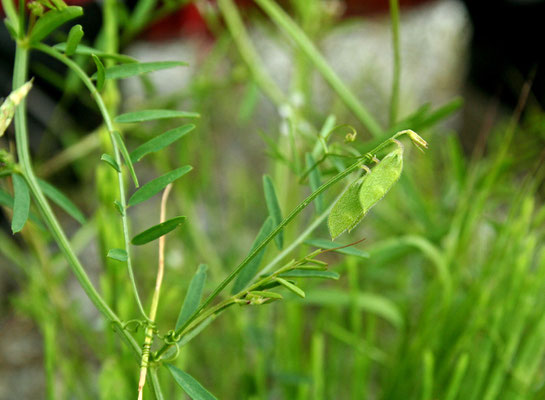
109,124
196,318
248,53
394,100
21,134
282,19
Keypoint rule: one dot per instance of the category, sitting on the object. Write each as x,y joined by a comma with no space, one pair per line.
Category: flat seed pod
381,179
347,211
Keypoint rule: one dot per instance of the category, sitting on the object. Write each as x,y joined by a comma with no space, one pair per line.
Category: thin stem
196,317
394,100
109,124
21,134
248,53
155,299
275,12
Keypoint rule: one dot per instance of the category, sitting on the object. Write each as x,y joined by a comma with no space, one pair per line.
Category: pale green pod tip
7,109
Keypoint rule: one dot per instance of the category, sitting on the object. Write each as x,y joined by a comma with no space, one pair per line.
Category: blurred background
445,299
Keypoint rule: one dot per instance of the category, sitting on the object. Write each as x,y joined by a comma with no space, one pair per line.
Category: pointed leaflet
189,384
273,207
62,201
381,179
303,273
315,181
100,74
291,287
123,149
326,244
87,51
118,254
109,160
153,187
249,271
51,20
133,69
151,115
74,38
157,231
193,296
21,203
7,201
11,14
160,142
347,211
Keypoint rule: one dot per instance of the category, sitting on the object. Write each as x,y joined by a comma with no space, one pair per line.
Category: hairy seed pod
7,109
347,211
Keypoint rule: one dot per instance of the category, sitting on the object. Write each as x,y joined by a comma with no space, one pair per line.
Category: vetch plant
373,172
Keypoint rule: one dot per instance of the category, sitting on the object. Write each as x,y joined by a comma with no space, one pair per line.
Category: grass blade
189,384
249,271
273,207
52,20
153,187
134,69
160,142
152,115
62,201
157,231
100,75
315,181
123,149
21,203
74,38
193,296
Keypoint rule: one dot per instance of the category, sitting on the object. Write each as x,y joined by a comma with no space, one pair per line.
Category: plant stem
155,299
196,317
21,134
282,19
109,124
394,100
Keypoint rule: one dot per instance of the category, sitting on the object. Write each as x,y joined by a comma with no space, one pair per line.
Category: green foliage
160,142
190,385
52,20
153,187
74,38
21,203
151,115
156,231
193,296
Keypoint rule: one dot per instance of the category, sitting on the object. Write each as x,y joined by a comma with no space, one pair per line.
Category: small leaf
7,109
100,75
118,254
62,201
52,20
157,231
193,296
135,69
304,273
291,287
7,201
315,181
74,38
109,159
151,115
189,384
123,149
87,51
381,179
11,14
327,244
21,203
273,207
347,211
119,208
160,142
249,271
270,295
153,187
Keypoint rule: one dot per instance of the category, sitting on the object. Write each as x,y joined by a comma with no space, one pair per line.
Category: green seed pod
364,193
381,179
347,211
